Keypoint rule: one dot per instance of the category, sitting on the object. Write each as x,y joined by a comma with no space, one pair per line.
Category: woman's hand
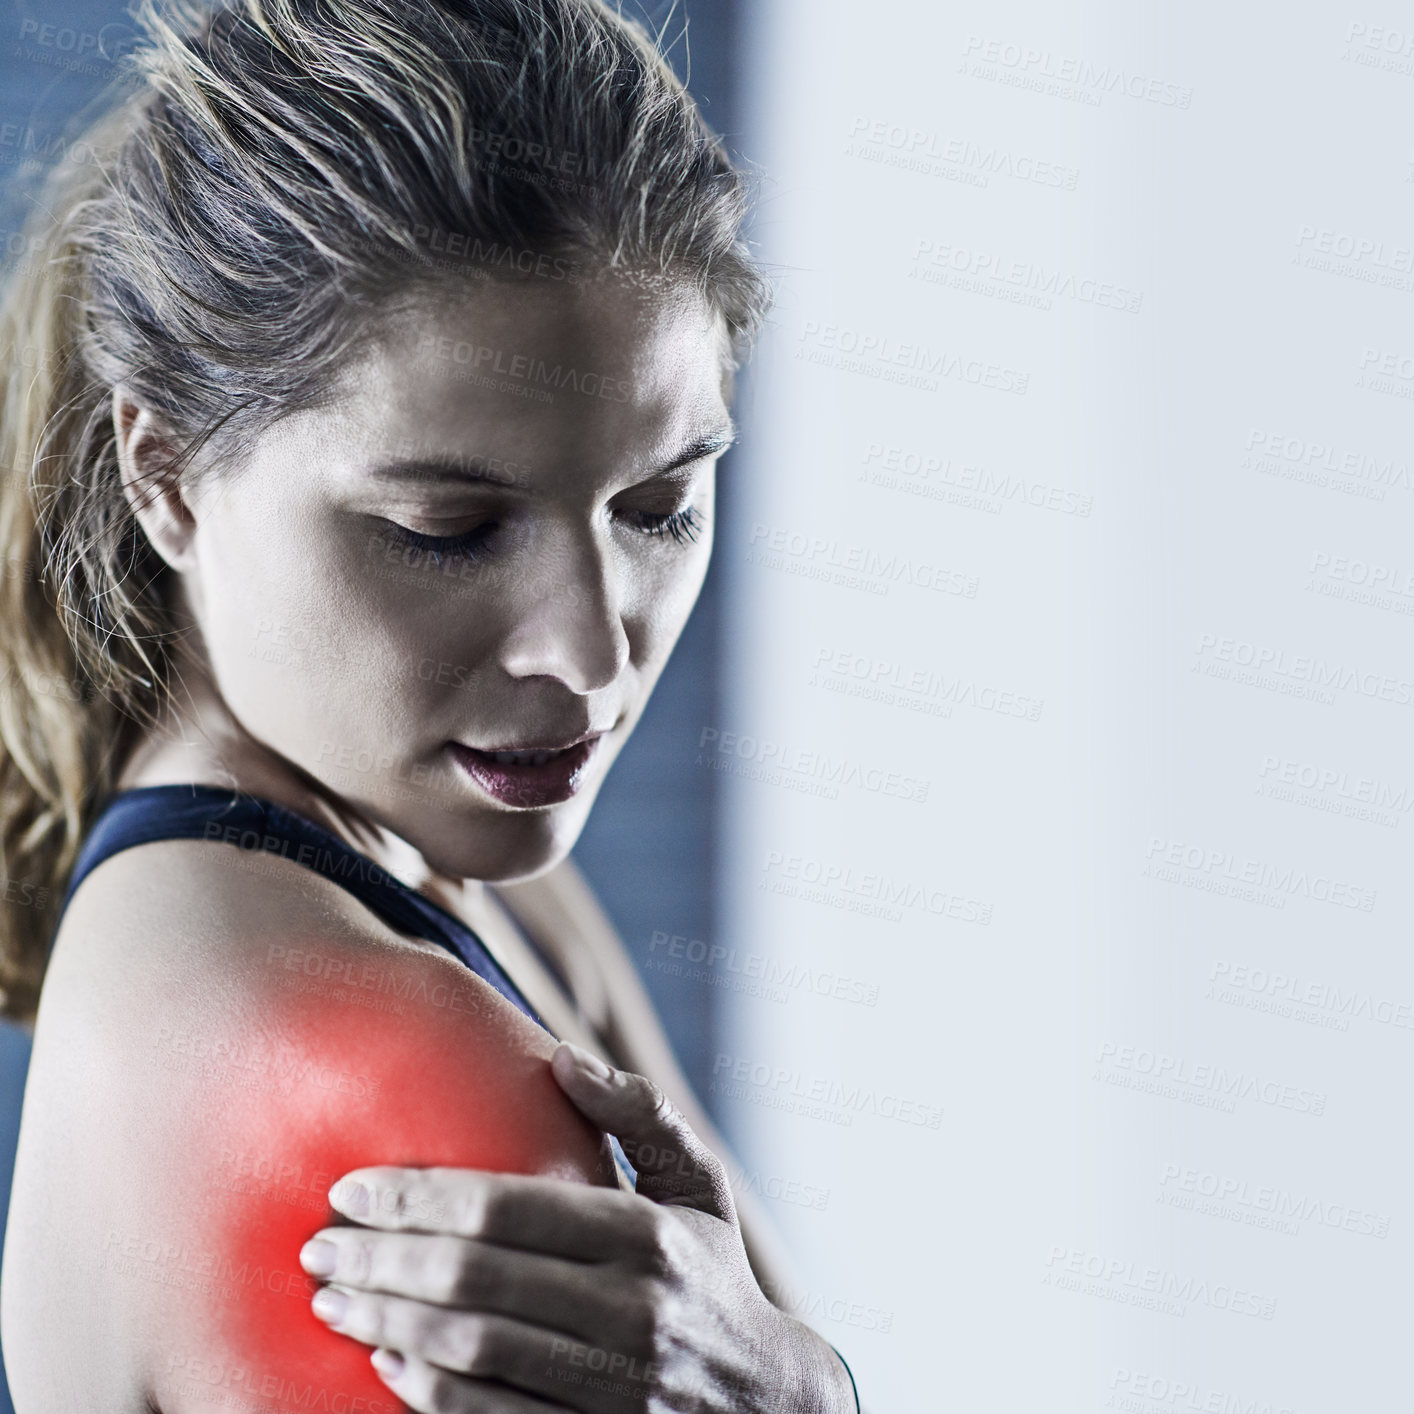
507,1294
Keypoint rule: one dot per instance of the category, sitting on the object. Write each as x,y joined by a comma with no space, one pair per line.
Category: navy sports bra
199,812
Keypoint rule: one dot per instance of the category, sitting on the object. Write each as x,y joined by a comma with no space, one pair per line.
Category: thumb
674,1166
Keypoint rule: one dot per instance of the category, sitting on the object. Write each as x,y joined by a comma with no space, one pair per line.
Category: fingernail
388,1363
330,1305
590,1064
318,1257
350,1197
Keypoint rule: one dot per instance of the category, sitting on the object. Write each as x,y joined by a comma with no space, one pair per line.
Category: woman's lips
527,787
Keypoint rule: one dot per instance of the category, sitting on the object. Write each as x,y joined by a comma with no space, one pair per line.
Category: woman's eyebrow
708,444
449,467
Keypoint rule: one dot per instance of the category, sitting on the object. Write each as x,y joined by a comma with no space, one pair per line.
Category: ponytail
67,700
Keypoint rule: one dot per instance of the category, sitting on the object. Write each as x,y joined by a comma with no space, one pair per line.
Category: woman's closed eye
682,525
471,544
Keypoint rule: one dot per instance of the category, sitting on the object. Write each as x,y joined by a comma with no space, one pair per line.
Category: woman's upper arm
221,1086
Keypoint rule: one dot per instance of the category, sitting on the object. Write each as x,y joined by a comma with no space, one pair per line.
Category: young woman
362,412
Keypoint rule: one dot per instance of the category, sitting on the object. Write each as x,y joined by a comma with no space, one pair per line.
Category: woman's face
490,539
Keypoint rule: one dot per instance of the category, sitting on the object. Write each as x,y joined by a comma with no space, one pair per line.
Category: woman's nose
568,621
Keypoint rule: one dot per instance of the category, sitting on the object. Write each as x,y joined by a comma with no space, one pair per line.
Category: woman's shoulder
155,914
179,947
219,1038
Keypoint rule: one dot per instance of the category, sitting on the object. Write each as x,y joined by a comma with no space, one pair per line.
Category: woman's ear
146,454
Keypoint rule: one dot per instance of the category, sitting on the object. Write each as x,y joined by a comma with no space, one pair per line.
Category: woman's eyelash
682,525
469,545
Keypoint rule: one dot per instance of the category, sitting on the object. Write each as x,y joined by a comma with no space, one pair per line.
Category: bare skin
328,671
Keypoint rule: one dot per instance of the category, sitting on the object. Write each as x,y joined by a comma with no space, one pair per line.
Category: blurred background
1013,843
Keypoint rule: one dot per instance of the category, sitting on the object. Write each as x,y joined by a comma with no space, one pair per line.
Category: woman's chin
506,848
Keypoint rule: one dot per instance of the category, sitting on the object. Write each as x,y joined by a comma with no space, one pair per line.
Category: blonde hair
280,170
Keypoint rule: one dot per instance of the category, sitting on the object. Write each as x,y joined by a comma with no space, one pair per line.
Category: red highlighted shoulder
336,1058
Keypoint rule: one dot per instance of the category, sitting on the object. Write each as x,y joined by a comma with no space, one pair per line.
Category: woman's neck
197,740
